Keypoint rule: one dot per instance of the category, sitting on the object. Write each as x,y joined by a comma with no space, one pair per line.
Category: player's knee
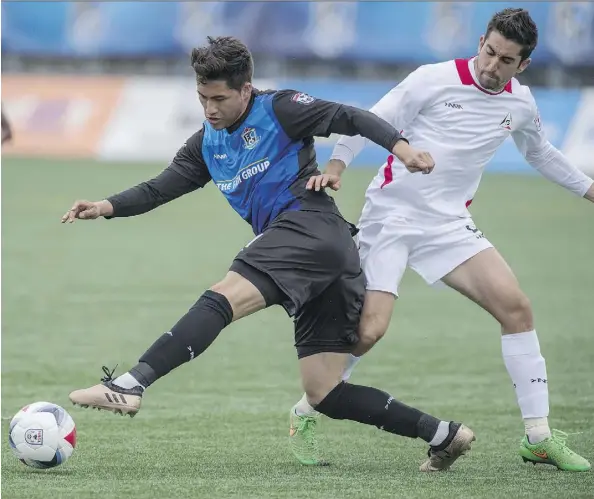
333,402
373,327
517,316
316,392
242,295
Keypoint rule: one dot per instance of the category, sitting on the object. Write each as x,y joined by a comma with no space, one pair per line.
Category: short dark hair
515,25
224,58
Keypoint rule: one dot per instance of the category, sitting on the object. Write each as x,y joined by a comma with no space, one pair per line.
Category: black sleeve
186,173
303,116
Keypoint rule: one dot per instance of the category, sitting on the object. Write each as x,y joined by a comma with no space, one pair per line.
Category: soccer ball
42,435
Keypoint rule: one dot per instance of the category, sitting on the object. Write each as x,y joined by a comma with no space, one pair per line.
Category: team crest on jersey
507,122
301,98
250,138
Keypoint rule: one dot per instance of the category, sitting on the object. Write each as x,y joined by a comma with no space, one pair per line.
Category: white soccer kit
423,220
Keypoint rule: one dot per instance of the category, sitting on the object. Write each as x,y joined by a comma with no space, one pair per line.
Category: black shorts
308,262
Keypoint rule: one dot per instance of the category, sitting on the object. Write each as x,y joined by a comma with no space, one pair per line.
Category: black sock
373,407
144,374
191,336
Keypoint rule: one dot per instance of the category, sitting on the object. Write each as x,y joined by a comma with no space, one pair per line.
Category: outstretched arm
186,173
303,116
549,161
399,107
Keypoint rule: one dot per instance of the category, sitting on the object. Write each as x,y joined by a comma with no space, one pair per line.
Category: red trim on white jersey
388,177
468,203
467,79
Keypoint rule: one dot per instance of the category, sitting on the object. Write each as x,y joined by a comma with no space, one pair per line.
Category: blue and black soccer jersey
261,164
304,257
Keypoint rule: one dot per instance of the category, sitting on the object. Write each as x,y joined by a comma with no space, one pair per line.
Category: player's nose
211,108
492,66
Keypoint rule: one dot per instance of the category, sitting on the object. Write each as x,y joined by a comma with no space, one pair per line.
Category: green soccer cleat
553,450
303,441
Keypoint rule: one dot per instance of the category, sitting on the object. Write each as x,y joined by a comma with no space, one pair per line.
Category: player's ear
246,90
481,42
523,65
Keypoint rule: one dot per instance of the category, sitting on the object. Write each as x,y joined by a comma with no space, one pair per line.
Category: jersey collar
465,69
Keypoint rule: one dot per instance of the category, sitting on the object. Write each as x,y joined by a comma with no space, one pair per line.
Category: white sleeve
399,107
548,160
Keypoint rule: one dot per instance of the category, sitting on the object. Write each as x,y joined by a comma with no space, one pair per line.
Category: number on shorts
472,228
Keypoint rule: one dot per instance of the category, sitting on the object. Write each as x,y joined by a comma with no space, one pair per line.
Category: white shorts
387,247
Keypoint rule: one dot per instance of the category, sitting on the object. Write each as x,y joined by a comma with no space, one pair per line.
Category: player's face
498,61
223,105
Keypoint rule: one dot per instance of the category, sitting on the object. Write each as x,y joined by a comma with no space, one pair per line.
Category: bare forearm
105,208
335,167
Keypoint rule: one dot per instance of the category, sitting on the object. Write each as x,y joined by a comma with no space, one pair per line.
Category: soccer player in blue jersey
258,148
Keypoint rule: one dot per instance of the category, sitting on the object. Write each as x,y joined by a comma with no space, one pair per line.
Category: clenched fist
413,159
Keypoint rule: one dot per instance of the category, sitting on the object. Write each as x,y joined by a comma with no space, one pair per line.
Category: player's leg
460,255
243,291
383,252
488,281
375,319
325,332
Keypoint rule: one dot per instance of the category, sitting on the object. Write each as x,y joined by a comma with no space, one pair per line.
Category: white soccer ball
42,435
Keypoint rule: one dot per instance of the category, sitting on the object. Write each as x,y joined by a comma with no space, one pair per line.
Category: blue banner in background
415,32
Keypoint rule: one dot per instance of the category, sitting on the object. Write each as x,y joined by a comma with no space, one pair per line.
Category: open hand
87,210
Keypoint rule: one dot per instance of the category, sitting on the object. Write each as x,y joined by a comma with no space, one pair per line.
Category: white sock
303,408
528,371
443,430
537,429
351,363
127,381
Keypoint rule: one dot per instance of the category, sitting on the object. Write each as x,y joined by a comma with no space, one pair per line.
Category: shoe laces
307,425
108,374
561,438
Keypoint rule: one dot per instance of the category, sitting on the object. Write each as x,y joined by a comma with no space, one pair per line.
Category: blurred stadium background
111,80
100,95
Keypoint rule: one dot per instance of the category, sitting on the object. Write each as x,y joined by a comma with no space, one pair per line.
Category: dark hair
515,25
224,58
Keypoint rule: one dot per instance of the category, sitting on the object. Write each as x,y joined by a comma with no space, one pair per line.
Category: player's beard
487,81
491,83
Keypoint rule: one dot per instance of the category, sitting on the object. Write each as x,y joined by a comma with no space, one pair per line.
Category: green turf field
79,296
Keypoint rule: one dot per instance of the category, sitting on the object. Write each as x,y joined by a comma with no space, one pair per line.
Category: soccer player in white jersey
460,111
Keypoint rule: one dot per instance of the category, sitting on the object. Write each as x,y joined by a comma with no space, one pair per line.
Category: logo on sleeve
301,98
507,122
537,122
